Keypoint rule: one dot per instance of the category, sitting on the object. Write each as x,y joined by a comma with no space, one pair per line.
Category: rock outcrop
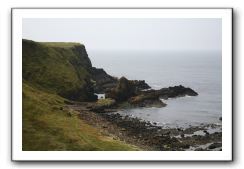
140,85
103,81
132,92
152,97
170,92
123,90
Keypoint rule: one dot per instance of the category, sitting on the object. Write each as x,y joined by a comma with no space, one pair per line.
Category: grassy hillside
60,68
52,74
48,125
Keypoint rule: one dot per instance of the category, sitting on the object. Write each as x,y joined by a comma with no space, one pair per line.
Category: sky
164,34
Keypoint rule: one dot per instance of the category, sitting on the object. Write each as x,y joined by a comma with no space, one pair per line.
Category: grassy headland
61,111
53,73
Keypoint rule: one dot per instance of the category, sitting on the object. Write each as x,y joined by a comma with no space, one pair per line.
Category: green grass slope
48,125
62,68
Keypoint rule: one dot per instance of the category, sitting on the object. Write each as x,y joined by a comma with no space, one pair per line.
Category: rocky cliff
62,68
65,69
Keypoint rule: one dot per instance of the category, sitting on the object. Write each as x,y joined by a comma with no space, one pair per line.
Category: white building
100,96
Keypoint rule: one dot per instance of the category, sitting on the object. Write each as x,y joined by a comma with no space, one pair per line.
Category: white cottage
100,96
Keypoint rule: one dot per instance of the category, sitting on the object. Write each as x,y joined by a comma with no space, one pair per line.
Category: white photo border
17,14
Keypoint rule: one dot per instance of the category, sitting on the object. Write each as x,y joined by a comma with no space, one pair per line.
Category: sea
199,70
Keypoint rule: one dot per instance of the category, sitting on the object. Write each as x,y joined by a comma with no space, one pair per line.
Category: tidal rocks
180,90
152,97
215,145
170,92
159,138
206,132
147,134
143,132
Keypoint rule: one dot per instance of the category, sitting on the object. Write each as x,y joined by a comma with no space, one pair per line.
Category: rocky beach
150,136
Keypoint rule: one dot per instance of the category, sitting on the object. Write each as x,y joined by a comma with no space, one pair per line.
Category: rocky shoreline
149,136
127,94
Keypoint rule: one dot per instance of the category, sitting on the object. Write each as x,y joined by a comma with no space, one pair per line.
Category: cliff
61,68
54,74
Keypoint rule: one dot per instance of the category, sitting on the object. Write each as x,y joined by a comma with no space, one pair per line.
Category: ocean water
200,71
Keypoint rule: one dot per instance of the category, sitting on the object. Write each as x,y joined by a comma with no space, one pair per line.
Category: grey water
199,70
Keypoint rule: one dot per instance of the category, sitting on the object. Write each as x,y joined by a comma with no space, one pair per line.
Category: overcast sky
129,34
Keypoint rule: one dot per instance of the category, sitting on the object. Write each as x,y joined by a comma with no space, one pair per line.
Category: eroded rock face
140,85
123,90
104,81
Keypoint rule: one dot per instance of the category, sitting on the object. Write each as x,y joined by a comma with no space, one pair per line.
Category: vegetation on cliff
63,70
54,74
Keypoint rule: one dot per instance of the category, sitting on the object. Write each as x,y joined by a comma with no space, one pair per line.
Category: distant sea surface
200,71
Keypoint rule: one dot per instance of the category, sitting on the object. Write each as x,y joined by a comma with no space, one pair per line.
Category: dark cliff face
104,82
83,59
61,68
